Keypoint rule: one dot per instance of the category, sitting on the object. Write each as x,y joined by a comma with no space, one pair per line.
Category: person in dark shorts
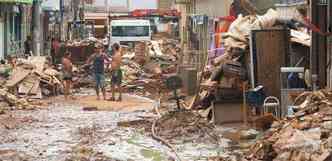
117,77
28,46
116,72
67,73
98,60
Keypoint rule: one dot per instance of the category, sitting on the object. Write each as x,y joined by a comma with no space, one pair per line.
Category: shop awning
18,1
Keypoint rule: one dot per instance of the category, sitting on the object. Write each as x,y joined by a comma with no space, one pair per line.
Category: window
130,31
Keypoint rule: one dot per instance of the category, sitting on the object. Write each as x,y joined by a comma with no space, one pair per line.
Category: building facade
165,4
15,20
213,8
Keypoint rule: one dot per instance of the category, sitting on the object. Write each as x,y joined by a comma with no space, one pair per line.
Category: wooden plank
17,76
29,85
35,89
38,61
271,48
322,47
302,42
26,85
329,45
314,51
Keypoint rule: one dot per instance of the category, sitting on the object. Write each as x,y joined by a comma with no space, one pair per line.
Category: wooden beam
329,47
322,45
314,51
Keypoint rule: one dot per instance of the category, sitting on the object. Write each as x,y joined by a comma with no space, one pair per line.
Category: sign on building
51,5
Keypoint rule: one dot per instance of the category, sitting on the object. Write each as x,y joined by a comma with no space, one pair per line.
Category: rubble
180,124
10,101
14,155
143,73
175,125
144,67
305,136
31,78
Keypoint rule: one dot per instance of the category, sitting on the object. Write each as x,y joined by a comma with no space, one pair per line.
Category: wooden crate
228,112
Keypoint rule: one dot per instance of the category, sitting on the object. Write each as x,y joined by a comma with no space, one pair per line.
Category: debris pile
87,153
141,52
84,42
80,50
304,136
228,67
9,101
34,78
84,150
145,68
14,155
175,125
31,78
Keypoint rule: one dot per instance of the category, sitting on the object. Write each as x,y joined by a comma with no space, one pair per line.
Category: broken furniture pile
144,68
236,41
177,125
185,124
306,135
243,62
32,78
81,50
8,101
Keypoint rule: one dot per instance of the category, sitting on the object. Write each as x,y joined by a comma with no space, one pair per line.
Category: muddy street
63,131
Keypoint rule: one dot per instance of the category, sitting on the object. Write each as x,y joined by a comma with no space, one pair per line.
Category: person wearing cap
98,61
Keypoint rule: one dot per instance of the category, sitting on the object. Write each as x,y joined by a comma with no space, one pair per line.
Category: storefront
15,18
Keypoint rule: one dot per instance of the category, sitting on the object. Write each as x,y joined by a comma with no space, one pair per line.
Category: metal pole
109,28
37,27
61,20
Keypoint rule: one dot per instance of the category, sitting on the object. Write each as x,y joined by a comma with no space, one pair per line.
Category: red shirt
56,46
311,26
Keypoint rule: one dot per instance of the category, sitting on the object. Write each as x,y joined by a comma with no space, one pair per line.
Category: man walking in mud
116,73
98,61
67,73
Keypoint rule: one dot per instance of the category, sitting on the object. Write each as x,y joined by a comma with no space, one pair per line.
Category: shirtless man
116,72
67,73
98,59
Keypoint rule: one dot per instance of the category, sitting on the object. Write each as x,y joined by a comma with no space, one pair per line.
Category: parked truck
130,30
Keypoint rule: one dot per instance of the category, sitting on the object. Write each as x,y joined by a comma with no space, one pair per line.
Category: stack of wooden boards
33,78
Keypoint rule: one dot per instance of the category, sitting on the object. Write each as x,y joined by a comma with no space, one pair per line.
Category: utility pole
61,26
36,28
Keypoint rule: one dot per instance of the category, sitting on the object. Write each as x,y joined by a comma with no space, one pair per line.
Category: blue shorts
100,80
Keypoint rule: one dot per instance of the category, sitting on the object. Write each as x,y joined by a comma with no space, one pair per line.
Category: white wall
143,4
213,8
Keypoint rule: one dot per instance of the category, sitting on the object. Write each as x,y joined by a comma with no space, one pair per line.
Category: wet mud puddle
64,132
